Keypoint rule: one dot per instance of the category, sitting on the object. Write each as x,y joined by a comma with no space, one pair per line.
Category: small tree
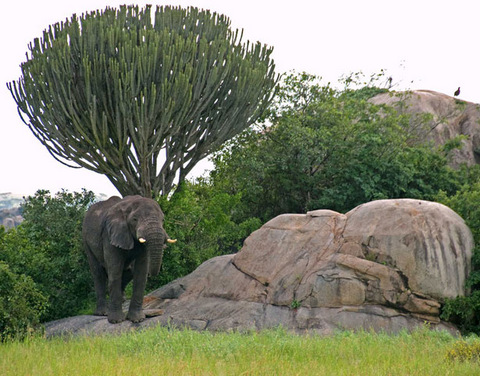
116,93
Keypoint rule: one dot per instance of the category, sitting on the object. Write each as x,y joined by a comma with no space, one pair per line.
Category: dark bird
389,80
457,92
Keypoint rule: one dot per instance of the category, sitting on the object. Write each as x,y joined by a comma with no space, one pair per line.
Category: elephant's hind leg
126,278
100,283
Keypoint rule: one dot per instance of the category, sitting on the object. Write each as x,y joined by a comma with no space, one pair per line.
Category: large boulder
450,117
10,218
386,265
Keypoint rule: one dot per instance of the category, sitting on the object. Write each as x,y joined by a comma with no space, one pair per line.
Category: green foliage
357,86
200,218
327,149
114,91
47,247
295,304
322,148
463,351
21,304
464,201
465,311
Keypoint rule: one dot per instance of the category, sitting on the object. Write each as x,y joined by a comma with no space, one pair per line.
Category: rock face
10,211
386,265
451,117
10,218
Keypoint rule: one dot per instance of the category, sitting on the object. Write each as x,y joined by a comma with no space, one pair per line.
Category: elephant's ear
117,229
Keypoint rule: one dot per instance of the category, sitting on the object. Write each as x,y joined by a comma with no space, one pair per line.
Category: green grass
164,351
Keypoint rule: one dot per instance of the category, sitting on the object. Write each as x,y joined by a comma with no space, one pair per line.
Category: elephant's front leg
140,270
100,283
115,271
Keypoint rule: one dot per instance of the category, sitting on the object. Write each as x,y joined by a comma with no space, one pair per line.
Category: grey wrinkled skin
124,240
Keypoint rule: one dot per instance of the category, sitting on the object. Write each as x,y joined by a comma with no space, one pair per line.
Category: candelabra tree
142,97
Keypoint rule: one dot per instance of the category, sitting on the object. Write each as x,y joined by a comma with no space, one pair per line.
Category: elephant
124,239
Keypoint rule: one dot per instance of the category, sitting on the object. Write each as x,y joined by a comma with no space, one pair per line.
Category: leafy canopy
327,148
47,247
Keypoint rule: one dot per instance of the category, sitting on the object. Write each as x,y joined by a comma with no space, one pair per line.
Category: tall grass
163,351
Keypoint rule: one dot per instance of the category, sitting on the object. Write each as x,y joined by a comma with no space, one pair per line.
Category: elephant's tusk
141,240
171,240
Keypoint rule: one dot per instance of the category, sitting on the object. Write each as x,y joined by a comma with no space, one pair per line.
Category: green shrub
47,247
21,304
463,351
465,310
201,219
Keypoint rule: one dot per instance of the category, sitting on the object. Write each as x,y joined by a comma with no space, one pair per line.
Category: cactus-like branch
108,91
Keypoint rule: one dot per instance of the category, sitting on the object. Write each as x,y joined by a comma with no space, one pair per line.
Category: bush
47,247
21,304
201,219
463,351
465,310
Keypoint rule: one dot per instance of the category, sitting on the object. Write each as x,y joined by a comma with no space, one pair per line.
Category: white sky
423,44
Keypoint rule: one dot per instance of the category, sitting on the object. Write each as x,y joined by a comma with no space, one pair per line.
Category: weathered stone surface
386,265
425,241
451,117
10,218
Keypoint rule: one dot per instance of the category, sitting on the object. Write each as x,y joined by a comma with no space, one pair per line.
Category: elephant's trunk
153,237
155,253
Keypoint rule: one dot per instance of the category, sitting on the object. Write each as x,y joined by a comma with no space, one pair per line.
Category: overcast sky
422,44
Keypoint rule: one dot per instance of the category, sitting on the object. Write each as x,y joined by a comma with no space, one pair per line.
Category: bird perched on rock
457,92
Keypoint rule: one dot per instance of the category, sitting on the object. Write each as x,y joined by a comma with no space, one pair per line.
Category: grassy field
163,351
